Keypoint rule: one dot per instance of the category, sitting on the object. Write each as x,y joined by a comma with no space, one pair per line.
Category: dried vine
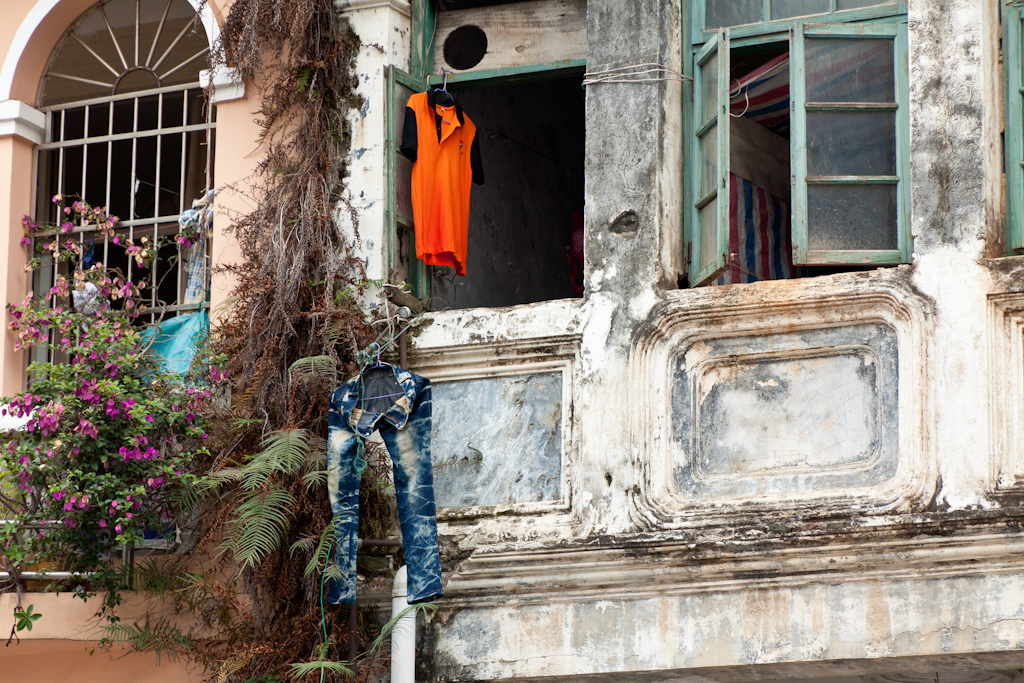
297,265
294,300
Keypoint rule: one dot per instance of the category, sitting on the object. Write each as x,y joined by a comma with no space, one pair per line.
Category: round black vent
465,47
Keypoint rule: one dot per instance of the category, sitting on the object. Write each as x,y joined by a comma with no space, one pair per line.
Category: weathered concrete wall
797,474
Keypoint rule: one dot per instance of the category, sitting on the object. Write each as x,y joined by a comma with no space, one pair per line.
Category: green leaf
260,524
305,668
284,452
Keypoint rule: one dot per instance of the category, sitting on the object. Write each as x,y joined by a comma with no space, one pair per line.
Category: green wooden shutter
849,144
402,263
1013,36
709,161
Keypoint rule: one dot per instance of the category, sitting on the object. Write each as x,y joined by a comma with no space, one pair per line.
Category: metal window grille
145,155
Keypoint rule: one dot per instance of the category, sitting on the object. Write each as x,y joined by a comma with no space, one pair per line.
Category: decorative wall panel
747,401
1006,360
498,440
786,412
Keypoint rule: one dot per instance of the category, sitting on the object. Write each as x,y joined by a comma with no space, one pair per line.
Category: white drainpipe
403,637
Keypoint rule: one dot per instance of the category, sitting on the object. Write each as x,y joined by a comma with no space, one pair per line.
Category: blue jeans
404,424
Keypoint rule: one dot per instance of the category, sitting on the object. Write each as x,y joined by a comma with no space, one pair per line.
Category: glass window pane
173,114
170,175
71,183
708,162
731,12
96,175
708,234
709,89
121,179
145,178
784,9
124,116
851,217
149,112
850,70
74,123
99,120
853,4
851,143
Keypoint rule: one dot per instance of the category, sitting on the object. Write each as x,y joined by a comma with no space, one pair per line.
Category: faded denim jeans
402,417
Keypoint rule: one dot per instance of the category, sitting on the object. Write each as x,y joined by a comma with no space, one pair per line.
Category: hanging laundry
197,221
172,344
396,403
442,142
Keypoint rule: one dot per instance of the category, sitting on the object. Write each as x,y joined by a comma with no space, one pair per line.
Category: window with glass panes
799,137
128,128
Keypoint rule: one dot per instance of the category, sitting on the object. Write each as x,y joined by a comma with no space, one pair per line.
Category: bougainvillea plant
105,457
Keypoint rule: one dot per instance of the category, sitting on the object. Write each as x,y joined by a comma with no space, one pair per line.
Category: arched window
128,128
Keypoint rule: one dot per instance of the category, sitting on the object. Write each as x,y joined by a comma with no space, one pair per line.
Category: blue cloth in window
404,422
176,340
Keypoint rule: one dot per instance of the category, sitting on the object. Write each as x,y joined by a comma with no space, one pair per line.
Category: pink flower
103,523
26,241
117,528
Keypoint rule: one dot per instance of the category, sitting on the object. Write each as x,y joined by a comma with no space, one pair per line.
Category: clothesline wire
627,74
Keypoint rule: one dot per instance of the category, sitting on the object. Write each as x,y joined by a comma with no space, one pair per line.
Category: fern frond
323,551
314,479
161,639
305,543
303,669
427,608
159,578
284,452
333,572
314,366
259,526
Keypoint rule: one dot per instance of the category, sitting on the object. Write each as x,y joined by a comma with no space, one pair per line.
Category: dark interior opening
523,219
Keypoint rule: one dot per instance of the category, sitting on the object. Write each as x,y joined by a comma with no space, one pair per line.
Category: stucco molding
17,118
402,7
35,17
647,566
762,311
226,83
1006,390
558,353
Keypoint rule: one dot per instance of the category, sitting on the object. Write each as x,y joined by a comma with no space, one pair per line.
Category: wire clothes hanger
444,87
375,366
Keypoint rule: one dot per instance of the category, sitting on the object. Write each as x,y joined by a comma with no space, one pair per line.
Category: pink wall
15,199
47,661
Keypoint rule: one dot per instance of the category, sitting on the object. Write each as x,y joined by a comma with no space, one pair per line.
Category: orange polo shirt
442,143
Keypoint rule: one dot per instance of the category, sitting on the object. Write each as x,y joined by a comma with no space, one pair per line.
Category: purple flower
103,523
